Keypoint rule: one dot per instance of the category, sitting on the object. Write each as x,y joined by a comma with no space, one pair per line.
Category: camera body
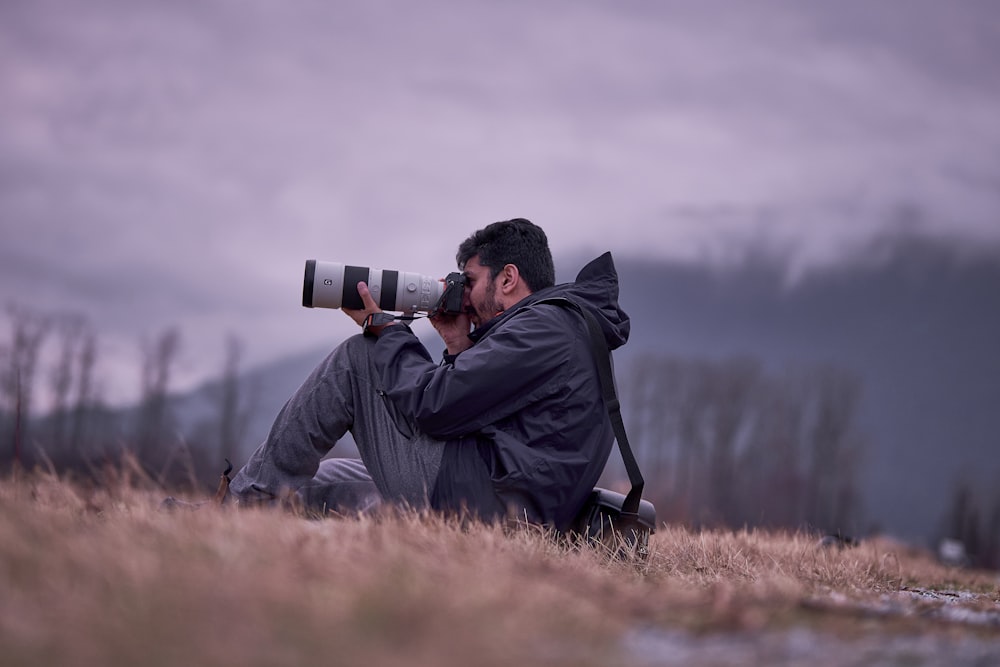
451,297
335,285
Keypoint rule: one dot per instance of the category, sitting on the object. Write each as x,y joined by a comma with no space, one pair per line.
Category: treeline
972,527
57,355
725,443
729,443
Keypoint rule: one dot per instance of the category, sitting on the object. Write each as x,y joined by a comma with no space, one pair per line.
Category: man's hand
454,331
360,316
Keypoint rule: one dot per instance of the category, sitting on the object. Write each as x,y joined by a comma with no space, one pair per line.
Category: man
510,424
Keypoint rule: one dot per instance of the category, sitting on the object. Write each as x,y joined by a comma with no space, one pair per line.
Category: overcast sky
174,164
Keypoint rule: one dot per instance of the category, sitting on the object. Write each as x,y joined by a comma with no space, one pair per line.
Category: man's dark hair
519,242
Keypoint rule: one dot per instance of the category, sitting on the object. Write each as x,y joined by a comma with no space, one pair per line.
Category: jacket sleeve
524,359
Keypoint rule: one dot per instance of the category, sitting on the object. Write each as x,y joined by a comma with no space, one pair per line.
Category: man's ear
510,279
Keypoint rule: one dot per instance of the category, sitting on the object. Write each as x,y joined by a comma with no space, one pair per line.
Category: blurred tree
28,330
963,521
691,390
830,488
87,397
232,416
991,547
732,386
153,416
666,402
721,442
70,331
770,466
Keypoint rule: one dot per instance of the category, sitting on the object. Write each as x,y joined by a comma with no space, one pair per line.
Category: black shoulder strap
602,355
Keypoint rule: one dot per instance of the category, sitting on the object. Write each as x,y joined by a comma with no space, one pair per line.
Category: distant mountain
917,320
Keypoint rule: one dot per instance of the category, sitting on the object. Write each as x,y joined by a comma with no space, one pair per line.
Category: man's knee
357,349
353,354
359,344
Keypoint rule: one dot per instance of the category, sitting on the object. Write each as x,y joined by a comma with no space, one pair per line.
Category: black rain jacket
526,429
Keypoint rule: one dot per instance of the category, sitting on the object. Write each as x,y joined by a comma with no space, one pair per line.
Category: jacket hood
596,289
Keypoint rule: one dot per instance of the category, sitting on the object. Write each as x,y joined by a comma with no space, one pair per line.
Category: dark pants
342,394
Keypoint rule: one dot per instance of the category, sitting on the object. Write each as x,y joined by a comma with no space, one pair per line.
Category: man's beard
491,307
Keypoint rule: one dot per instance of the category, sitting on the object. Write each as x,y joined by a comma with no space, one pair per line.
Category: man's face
480,300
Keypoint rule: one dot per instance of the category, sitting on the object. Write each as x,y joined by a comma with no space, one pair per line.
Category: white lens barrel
324,285
334,285
416,292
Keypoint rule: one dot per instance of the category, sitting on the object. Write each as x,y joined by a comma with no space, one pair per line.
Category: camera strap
602,355
381,318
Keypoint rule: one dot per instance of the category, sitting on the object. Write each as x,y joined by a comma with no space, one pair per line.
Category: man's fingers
368,303
366,297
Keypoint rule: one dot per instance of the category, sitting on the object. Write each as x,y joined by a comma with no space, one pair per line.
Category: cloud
177,163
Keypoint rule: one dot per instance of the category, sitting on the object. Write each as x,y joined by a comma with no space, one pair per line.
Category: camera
335,285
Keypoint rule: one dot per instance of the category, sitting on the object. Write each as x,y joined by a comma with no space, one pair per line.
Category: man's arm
453,328
524,360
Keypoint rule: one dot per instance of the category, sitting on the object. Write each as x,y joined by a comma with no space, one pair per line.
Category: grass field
103,576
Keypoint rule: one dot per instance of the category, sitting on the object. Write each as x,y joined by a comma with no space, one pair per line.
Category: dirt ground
912,627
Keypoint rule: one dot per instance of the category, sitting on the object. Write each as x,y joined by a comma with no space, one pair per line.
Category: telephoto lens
335,285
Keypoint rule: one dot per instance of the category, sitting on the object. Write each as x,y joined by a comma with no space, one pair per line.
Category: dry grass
104,577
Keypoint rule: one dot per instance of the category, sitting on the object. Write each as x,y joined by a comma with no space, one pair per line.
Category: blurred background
803,201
